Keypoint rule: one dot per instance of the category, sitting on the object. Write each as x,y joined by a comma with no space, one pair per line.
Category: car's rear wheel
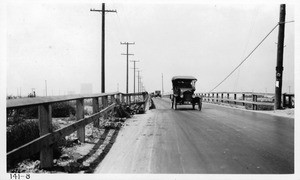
175,103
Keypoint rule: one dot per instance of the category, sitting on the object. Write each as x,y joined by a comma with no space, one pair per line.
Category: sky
60,43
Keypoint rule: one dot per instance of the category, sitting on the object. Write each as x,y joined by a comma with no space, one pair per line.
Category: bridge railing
246,98
48,137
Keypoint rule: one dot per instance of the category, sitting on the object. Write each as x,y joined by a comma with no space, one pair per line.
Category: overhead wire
246,46
250,53
245,58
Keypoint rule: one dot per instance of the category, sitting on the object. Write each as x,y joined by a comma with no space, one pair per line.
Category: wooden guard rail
256,98
44,144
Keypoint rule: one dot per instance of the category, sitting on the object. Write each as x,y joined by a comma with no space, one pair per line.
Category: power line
245,58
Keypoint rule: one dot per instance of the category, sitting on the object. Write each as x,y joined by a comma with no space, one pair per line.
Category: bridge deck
216,140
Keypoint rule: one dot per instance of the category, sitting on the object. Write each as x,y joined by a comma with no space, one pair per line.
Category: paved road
215,140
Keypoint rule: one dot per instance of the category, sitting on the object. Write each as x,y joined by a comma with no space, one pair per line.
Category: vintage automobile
183,92
157,93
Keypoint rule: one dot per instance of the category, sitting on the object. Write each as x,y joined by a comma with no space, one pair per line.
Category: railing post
228,98
243,99
284,100
290,101
254,99
234,98
129,99
122,98
80,115
217,97
112,99
95,102
222,96
45,127
118,98
213,97
105,104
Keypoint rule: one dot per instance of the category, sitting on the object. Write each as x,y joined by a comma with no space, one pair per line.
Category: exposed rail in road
48,137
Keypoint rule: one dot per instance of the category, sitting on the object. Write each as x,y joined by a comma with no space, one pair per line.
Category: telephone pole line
127,54
46,87
134,68
279,67
103,11
139,81
162,83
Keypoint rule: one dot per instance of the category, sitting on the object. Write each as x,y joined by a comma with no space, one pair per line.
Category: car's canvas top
183,77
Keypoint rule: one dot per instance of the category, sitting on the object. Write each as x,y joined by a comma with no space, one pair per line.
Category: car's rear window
184,83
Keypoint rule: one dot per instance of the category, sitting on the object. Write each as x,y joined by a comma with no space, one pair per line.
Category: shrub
27,131
22,133
62,109
15,116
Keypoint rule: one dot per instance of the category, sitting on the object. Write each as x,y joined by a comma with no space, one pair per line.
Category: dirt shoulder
77,157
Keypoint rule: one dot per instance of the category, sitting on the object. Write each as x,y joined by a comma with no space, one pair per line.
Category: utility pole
46,87
103,11
127,54
139,78
279,67
162,83
134,68
141,84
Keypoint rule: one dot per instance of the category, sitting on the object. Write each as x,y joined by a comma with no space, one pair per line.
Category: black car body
183,92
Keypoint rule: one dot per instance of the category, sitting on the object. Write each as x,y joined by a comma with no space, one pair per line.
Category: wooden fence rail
44,144
256,99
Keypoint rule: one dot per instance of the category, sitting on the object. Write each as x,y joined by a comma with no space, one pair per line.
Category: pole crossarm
96,10
127,54
123,43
